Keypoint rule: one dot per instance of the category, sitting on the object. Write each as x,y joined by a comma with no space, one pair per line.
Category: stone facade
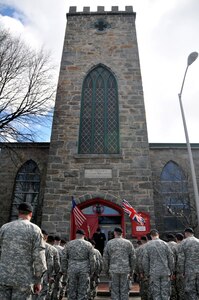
160,155
134,173
12,158
84,48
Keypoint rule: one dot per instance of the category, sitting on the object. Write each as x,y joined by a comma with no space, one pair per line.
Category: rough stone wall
160,155
135,171
83,49
12,157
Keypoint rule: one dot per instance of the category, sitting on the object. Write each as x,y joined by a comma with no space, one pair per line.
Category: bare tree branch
27,88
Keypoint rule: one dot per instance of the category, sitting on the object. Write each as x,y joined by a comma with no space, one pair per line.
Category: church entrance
103,214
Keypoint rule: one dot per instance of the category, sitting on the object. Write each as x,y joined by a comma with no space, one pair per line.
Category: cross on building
101,25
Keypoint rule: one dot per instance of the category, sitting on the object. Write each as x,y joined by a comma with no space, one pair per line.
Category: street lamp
191,58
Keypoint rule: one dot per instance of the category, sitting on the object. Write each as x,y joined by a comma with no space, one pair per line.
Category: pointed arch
172,172
26,188
174,192
99,118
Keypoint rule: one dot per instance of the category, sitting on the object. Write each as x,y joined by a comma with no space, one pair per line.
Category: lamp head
191,58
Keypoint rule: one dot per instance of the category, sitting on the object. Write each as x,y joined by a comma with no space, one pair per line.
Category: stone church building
99,151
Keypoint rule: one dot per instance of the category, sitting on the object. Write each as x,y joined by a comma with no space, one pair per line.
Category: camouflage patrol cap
171,237
57,238
44,232
189,229
25,206
118,229
154,232
50,239
80,231
179,236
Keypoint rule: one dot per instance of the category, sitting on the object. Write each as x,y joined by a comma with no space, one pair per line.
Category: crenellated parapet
100,10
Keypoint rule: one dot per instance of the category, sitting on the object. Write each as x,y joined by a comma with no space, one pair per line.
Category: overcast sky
167,32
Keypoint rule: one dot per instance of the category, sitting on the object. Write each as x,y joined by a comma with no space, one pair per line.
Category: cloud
164,46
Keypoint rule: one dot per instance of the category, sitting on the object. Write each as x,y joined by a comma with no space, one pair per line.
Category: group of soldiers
30,260
53,284
168,269
34,265
62,263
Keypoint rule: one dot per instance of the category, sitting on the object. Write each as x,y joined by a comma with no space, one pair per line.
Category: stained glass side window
99,121
27,185
174,191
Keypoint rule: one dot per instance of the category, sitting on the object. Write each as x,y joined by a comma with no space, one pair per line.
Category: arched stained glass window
99,122
174,191
27,185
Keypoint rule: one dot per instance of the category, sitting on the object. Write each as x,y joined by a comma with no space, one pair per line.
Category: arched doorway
100,213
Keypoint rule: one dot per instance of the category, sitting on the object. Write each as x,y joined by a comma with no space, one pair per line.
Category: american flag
78,215
132,213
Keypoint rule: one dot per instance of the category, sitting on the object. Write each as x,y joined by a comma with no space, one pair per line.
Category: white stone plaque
98,173
140,228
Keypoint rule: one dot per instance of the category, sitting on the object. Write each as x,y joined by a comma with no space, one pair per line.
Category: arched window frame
99,117
174,193
26,188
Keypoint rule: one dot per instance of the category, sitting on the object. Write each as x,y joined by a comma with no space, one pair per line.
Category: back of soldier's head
25,208
118,231
50,239
170,237
45,234
144,239
63,242
188,232
57,240
179,237
154,233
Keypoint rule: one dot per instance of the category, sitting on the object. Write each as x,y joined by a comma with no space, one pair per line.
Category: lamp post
191,58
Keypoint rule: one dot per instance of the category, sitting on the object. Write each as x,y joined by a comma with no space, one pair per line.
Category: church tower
99,151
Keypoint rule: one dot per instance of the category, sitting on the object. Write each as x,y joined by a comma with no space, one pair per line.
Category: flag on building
133,215
80,219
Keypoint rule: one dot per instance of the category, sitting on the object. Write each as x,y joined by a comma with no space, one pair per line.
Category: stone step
103,289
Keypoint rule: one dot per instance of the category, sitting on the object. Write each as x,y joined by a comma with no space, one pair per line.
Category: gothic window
99,122
27,184
174,191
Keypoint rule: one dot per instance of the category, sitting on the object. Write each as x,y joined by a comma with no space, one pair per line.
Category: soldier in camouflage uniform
143,281
22,261
179,277
48,276
173,246
158,266
94,280
54,286
188,264
78,262
60,287
119,263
